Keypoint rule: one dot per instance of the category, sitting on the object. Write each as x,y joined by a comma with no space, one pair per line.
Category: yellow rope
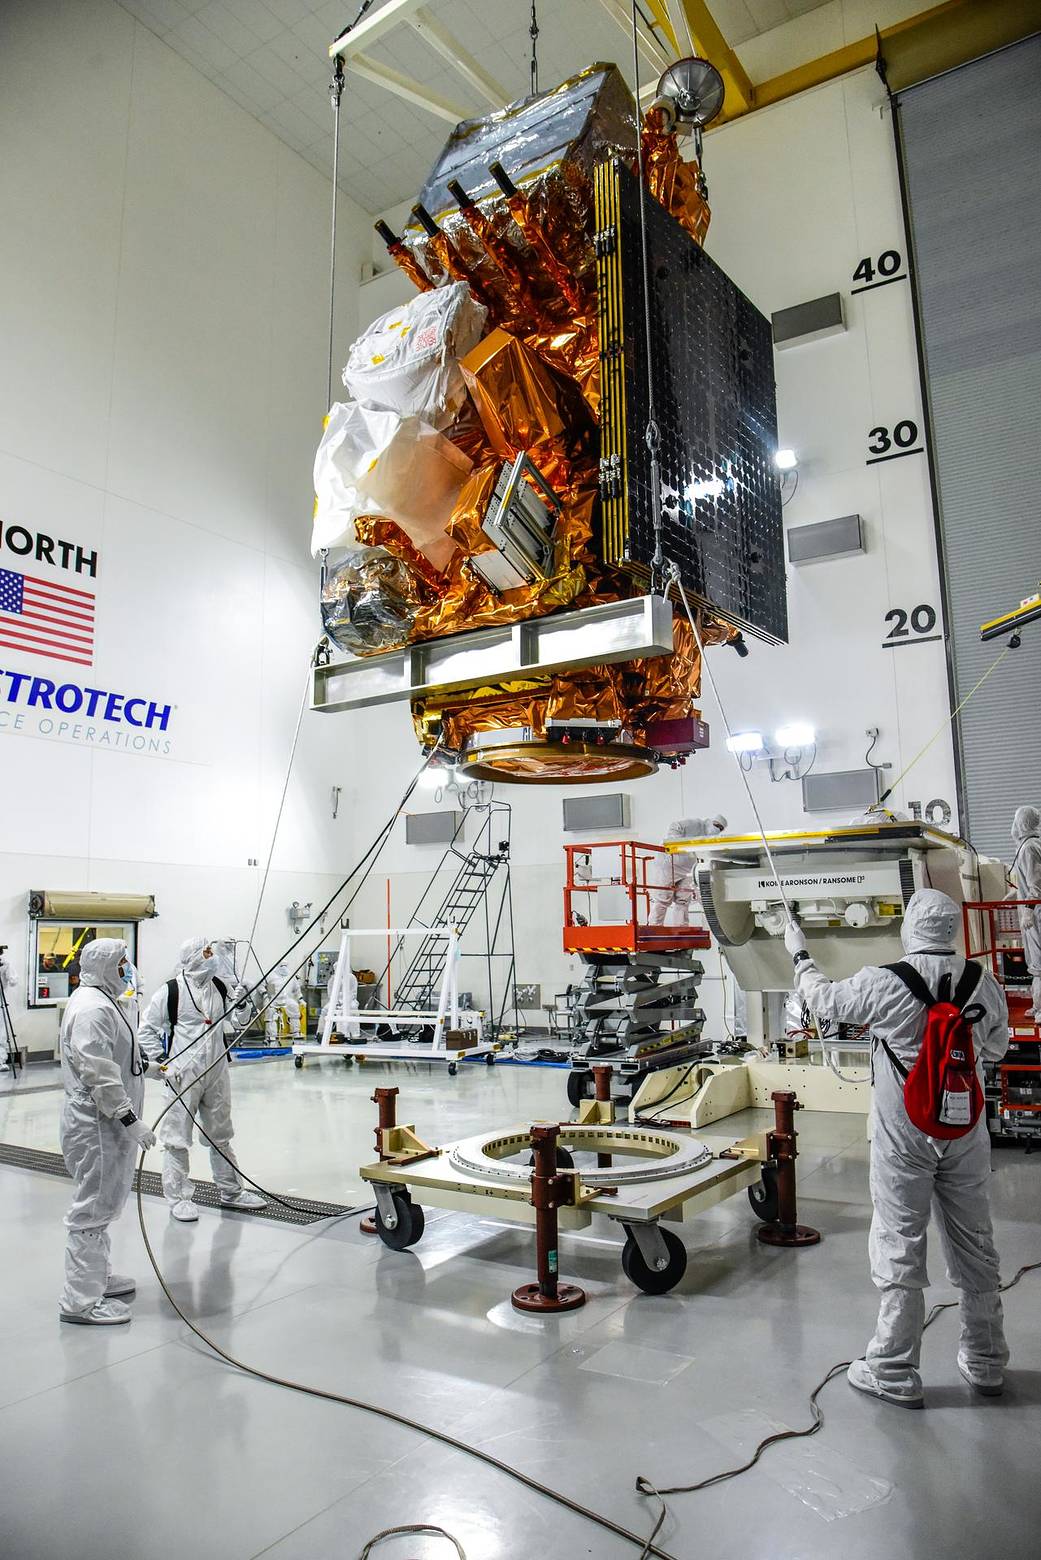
943,725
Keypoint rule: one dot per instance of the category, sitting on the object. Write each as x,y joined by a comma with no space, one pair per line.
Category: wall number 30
921,618
904,435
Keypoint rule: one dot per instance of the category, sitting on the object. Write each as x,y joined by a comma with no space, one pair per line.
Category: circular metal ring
484,1156
556,763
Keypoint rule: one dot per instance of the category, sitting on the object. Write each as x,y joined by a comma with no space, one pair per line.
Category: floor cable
443,1438
409,1529
646,1486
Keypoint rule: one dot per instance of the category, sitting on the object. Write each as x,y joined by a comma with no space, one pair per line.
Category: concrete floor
135,1442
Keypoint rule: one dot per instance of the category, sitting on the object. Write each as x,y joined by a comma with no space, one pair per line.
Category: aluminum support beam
404,87
652,49
609,632
448,46
372,28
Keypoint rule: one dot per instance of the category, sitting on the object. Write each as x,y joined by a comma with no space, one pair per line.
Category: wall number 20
922,620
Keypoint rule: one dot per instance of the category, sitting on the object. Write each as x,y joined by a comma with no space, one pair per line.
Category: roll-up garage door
971,149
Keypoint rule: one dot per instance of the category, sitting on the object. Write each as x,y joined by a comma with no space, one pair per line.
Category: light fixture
745,742
797,734
785,460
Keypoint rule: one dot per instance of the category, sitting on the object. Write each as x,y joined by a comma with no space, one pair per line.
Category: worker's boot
889,1370
242,1199
903,1394
103,1313
982,1350
984,1377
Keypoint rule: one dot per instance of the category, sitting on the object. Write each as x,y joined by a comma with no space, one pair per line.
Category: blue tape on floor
254,1053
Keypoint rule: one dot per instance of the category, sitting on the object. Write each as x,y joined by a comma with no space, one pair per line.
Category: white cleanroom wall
163,309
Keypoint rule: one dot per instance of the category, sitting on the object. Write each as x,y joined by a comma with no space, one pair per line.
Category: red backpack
942,1093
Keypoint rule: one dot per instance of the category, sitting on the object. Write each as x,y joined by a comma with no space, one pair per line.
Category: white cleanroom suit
103,1073
670,877
1026,873
910,1171
346,1001
196,1063
283,995
8,980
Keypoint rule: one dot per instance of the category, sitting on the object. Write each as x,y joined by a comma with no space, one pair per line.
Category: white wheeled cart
345,1016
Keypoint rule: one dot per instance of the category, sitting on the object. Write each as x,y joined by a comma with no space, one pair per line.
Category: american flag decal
43,618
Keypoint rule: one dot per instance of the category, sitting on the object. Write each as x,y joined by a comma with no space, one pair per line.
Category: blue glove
794,938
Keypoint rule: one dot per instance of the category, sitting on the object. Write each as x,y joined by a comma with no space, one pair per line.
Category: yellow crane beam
923,45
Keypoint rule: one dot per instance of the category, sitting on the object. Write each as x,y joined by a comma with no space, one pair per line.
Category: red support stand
602,1086
386,1102
549,1191
787,1231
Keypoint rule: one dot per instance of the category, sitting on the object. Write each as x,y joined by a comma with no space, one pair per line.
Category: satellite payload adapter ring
660,1154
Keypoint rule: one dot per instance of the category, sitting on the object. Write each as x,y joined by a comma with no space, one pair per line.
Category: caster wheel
489,1060
763,1196
409,1228
453,1068
298,1062
577,1087
348,1061
648,1279
565,1161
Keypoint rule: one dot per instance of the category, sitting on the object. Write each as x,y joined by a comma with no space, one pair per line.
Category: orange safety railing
619,921
992,935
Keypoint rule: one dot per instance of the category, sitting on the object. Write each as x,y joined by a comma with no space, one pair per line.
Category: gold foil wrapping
674,183
534,384
633,693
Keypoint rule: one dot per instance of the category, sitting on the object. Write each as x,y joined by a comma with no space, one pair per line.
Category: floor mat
303,1210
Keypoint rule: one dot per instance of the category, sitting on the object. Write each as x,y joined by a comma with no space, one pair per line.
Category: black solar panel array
714,402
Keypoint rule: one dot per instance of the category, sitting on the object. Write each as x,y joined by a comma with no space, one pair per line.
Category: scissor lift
635,1010
1013,1085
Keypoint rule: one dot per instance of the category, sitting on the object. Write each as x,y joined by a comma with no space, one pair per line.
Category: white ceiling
271,57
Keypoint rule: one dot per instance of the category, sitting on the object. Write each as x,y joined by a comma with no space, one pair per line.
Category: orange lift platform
1013,1085
608,902
635,1010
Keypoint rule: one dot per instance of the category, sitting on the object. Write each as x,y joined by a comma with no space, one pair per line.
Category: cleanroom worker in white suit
1026,876
9,980
103,1073
183,1026
670,877
347,1001
911,1171
283,995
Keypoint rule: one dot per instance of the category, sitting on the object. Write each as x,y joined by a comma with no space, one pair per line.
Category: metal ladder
421,981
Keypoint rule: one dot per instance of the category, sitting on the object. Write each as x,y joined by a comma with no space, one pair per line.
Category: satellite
501,537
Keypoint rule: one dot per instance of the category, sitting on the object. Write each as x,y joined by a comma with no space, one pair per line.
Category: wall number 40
921,618
887,265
